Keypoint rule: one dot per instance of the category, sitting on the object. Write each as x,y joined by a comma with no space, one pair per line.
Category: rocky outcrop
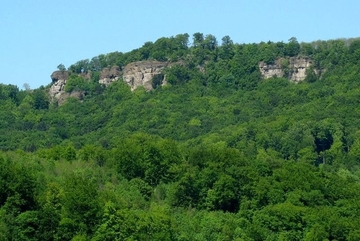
64,96
86,75
271,70
107,76
59,75
57,92
293,68
142,74
57,89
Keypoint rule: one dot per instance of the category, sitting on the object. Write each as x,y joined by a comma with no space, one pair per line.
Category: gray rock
296,68
107,76
141,73
59,75
134,74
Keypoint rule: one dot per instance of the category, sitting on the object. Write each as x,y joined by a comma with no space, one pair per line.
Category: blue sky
37,35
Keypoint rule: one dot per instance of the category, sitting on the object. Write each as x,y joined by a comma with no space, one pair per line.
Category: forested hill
224,141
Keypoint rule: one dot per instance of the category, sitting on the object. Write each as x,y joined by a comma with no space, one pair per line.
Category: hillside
187,141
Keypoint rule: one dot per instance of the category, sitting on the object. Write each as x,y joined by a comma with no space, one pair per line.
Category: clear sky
37,35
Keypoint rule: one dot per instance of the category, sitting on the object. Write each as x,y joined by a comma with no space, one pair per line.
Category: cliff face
142,73
107,76
146,73
293,68
57,89
134,74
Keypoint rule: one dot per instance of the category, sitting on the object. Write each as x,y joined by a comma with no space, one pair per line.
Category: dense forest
219,153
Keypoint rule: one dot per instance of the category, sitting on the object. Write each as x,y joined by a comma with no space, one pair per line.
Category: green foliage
61,67
219,154
311,76
157,80
18,182
41,99
292,48
81,66
177,74
75,83
80,204
134,224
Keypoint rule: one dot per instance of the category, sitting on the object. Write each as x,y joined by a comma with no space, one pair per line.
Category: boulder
59,75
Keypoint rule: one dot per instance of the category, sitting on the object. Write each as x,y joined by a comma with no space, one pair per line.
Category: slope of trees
218,154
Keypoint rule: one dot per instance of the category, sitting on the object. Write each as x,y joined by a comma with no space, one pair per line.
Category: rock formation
58,87
57,90
149,74
107,76
135,74
65,95
142,73
293,68
59,75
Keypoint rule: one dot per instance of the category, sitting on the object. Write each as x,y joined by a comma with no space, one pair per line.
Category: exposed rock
299,67
271,70
87,75
142,73
64,96
59,75
107,76
57,89
293,68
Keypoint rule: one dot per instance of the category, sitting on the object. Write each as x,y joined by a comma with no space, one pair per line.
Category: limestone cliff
149,74
142,73
57,90
293,68
135,74
107,76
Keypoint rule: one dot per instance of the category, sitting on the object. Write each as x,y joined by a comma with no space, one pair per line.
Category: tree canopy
217,154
